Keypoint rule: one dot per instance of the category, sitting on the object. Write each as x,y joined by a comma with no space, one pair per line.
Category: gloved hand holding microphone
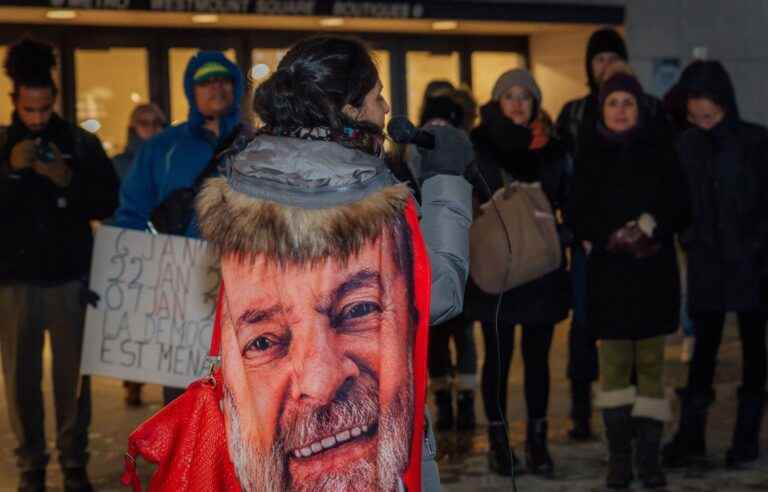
444,149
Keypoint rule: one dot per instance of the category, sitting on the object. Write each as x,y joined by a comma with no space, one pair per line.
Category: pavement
463,467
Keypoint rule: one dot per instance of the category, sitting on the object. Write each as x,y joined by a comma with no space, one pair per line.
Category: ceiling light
91,125
61,14
259,71
448,25
135,97
332,22
205,18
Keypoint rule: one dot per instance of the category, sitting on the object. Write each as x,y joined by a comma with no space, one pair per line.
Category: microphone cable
476,170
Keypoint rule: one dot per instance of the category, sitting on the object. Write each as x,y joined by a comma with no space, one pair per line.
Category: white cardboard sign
156,309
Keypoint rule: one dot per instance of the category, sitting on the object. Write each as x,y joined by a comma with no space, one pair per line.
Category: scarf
540,135
353,138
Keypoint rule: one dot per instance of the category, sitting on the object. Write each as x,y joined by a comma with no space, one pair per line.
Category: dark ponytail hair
29,64
316,79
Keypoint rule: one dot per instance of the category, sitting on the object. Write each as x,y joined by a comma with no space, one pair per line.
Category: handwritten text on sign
155,316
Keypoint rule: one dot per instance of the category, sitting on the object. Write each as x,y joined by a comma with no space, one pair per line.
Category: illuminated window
6,87
487,66
422,68
110,83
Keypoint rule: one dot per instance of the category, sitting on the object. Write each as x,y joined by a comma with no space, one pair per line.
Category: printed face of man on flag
317,369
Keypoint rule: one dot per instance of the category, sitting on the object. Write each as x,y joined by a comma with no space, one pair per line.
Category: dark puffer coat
617,180
727,168
546,300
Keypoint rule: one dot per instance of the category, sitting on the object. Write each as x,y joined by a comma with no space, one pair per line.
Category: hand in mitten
619,241
641,245
452,153
631,239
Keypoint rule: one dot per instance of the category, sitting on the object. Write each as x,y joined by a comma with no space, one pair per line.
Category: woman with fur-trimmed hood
325,302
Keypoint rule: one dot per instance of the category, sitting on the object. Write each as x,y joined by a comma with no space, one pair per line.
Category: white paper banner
157,303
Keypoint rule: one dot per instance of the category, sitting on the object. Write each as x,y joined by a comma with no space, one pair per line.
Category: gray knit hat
516,76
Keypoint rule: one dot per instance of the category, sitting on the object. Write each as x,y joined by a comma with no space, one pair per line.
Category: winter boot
648,441
537,457
689,445
618,430
581,411
501,458
76,480
444,402
32,481
465,419
745,445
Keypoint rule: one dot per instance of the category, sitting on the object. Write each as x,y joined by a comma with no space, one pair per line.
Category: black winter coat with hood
617,180
727,168
501,145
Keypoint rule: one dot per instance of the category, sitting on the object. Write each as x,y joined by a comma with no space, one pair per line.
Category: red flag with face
323,340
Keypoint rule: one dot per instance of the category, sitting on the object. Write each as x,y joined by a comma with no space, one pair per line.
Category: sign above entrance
383,9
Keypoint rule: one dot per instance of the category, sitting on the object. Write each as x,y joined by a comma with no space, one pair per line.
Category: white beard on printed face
268,471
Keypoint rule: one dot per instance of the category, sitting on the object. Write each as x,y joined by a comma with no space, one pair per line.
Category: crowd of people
638,186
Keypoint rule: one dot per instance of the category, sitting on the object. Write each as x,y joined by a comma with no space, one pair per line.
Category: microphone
402,131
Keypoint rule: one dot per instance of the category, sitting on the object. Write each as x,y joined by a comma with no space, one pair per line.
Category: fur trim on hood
237,224
298,200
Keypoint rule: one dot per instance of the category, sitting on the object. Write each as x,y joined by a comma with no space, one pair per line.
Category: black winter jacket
727,168
48,237
726,246
616,182
544,301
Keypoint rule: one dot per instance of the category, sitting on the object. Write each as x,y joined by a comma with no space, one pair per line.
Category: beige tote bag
522,248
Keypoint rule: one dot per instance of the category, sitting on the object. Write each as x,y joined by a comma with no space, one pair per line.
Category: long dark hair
29,64
315,80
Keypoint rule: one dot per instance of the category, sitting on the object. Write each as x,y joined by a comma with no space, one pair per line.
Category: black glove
507,136
452,153
88,297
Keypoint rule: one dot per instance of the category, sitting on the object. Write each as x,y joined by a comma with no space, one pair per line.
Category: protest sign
155,314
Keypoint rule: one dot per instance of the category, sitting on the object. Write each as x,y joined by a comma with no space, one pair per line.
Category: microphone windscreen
400,129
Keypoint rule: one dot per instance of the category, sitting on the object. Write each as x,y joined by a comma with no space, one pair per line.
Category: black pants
440,364
709,333
537,339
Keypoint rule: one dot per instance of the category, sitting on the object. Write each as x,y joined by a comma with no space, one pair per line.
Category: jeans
536,342
26,312
709,334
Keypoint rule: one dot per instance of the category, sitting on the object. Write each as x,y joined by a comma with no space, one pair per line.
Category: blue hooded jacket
174,158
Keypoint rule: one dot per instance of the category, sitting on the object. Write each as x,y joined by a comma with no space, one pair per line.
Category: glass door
423,67
487,66
109,84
